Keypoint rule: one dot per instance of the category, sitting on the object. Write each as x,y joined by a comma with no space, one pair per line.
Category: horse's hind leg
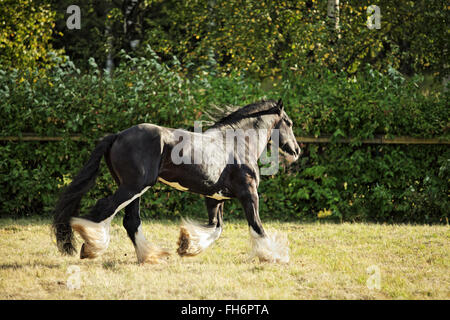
195,238
94,228
215,212
145,251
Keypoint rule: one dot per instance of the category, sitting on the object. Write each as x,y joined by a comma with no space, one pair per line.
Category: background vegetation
349,81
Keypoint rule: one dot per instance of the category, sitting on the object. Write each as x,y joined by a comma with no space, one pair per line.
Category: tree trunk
109,49
131,29
333,14
334,31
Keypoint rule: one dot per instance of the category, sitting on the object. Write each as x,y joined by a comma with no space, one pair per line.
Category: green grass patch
328,261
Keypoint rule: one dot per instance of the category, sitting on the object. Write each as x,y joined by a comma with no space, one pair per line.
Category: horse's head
287,141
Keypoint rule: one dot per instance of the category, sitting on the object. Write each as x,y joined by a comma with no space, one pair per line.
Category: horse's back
140,130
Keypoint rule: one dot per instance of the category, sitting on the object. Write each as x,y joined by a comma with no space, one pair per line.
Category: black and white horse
221,163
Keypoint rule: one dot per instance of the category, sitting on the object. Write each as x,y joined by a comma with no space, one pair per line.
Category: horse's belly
218,196
197,188
175,185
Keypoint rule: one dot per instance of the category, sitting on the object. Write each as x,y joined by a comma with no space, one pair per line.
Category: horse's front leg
195,238
266,248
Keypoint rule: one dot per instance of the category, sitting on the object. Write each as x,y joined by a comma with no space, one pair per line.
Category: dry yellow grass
328,261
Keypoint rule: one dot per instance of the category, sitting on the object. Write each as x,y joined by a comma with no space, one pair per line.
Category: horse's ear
280,106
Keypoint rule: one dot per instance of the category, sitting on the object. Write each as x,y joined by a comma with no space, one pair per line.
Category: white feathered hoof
195,238
147,252
95,235
152,255
273,249
186,247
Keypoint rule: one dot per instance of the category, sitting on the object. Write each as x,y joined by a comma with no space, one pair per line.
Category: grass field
328,261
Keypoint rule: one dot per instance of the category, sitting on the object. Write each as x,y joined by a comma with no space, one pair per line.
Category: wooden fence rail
376,140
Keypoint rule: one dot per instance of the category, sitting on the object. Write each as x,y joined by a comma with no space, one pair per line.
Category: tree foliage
26,35
173,59
260,36
352,181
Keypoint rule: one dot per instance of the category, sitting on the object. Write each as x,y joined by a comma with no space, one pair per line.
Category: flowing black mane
249,111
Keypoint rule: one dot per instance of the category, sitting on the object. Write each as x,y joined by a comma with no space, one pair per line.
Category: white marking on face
175,185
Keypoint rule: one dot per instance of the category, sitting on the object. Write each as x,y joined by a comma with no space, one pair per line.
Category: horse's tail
69,202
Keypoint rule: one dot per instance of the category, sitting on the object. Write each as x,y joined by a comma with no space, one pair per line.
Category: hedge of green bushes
344,182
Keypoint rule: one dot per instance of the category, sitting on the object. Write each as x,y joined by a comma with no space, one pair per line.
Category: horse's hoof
153,255
273,248
83,254
157,258
184,243
186,246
